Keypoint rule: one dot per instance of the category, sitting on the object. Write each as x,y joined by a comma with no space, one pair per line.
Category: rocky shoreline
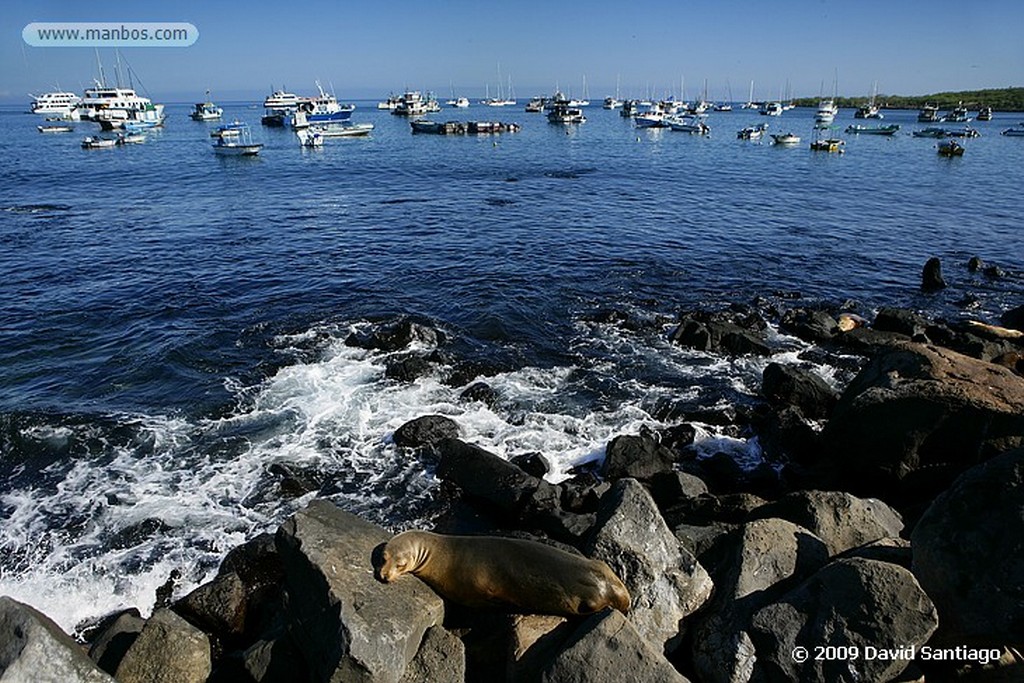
880,539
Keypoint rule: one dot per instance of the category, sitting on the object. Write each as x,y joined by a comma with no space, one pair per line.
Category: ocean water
172,323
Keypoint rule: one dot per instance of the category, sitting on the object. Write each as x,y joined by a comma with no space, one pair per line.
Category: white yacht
61,104
206,111
112,108
827,111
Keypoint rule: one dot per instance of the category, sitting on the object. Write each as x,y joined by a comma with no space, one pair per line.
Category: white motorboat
345,130
410,104
130,138
237,144
755,132
55,129
459,102
770,109
96,142
785,139
689,123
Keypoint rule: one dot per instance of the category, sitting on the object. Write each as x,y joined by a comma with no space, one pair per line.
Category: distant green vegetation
1000,99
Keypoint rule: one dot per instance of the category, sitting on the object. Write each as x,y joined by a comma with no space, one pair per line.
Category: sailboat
750,104
827,108
614,102
727,105
585,102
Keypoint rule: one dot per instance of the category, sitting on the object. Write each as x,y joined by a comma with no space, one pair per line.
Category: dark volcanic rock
840,520
915,417
427,430
791,385
605,648
394,336
533,464
810,325
1013,318
485,476
118,634
851,602
901,321
665,581
440,659
636,457
751,567
168,650
33,648
218,607
967,554
931,276
710,333
347,625
408,369
480,391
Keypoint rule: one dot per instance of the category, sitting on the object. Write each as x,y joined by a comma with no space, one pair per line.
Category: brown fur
488,571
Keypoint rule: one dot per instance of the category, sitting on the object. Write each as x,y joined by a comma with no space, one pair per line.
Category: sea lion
994,331
488,571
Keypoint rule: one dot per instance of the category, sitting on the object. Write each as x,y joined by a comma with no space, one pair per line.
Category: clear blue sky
366,49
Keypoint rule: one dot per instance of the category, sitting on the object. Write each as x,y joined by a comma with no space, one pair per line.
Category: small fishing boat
985,114
770,109
55,129
130,138
612,102
951,148
755,132
233,128
826,144
873,130
95,142
346,130
689,123
206,111
965,132
869,110
786,139
1017,132
930,132
238,144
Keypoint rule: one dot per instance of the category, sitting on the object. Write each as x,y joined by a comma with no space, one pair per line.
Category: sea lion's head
401,555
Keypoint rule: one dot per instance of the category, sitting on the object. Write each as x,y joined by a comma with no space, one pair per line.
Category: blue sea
172,323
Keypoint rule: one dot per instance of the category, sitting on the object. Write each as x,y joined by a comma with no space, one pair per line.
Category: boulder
751,566
606,648
534,640
485,476
931,276
408,368
665,581
480,392
914,418
901,321
967,550
218,607
34,649
440,659
426,431
168,650
1013,318
349,627
719,336
636,457
840,520
534,464
809,325
393,336
789,385
114,640
276,660
669,488
851,602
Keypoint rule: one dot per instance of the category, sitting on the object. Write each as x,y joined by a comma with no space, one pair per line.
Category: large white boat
770,109
410,104
323,108
61,104
279,105
827,111
113,107
565,113
390,103
458,102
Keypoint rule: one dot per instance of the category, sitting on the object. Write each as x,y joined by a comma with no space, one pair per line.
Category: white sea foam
113,527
